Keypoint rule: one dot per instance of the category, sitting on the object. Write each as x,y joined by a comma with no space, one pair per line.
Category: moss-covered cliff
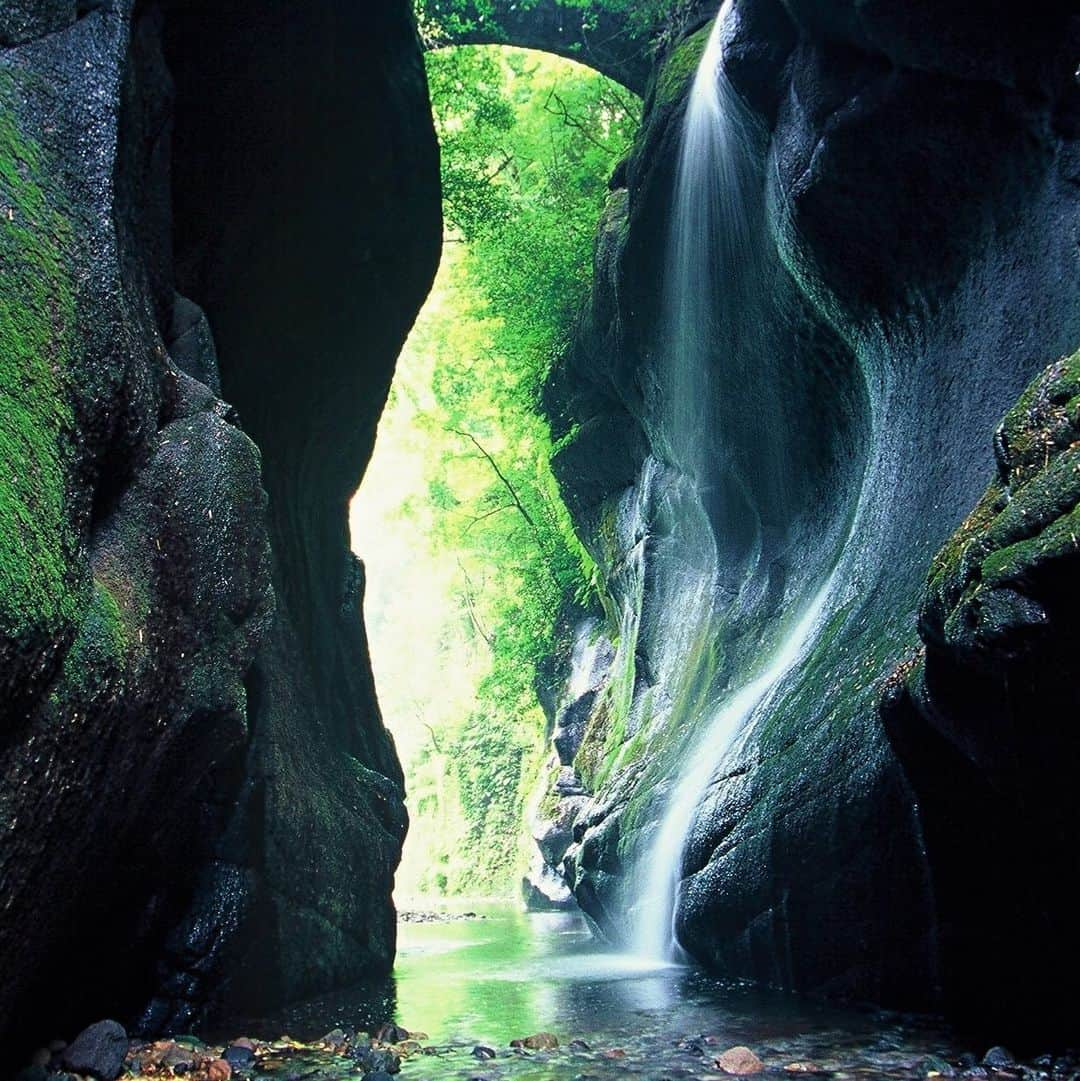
196,779
911,297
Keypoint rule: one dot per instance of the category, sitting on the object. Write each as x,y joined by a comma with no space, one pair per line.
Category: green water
506,974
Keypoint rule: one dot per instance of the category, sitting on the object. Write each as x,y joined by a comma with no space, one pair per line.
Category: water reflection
510,973
506,974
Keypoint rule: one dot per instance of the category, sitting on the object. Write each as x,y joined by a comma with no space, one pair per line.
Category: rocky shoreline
103,1052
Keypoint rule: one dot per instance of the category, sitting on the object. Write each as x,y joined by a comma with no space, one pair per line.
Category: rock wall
921,214
196,781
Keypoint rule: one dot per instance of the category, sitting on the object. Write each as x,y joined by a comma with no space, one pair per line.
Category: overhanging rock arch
607,41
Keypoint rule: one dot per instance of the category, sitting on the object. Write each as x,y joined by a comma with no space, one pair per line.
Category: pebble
239,1057
218,1070
998,1058
739,1061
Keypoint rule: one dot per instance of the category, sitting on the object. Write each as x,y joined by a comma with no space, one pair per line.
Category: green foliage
39,601
542,179
528,143
454,18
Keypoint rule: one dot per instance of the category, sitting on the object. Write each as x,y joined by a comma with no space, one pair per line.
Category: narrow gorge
712,580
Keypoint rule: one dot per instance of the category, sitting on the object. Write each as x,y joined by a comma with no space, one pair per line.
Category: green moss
1028,514
678,69
39,596
96,660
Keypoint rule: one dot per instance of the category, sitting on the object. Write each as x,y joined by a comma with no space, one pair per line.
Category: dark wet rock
543,890
999,1058
191,344
906,350
123,676
336,788
238,1056
391,1033
376,1060
973,715
98,1051
22,21
156,714
33,1073
482,1052
579,1045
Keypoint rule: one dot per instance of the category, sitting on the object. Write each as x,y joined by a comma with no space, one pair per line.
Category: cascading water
718,349
710,251
656,910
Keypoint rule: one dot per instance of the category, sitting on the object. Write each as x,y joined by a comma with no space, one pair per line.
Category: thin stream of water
713,264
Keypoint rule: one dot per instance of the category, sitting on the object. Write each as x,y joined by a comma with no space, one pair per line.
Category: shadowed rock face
307,224
135,584
980,718
188,765
921,194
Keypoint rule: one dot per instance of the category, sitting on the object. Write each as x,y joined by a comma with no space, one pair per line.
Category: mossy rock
43,590
677,71
991,588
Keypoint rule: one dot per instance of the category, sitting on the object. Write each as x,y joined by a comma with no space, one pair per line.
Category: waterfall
717,350
655,913
713,254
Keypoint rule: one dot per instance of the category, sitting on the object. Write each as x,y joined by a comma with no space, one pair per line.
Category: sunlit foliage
528,144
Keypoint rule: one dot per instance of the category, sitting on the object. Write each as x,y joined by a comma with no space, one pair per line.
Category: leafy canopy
528,143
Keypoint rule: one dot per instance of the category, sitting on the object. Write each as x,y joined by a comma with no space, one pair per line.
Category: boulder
98,1051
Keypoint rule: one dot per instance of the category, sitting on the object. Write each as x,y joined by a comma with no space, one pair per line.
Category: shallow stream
476,983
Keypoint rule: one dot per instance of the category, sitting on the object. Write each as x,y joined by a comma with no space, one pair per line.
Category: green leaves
528,142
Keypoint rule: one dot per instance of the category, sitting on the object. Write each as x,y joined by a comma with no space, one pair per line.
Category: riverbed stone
539,1041
740,1062
98,1051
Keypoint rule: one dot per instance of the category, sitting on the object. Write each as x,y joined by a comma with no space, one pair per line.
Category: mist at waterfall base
718,263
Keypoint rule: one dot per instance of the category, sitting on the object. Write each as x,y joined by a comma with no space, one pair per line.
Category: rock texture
311,245
918,293
191,755
979,717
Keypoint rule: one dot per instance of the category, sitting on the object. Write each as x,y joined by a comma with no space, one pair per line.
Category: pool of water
506,974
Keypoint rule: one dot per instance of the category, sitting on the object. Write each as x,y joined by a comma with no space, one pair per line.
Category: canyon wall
196,779
918,267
